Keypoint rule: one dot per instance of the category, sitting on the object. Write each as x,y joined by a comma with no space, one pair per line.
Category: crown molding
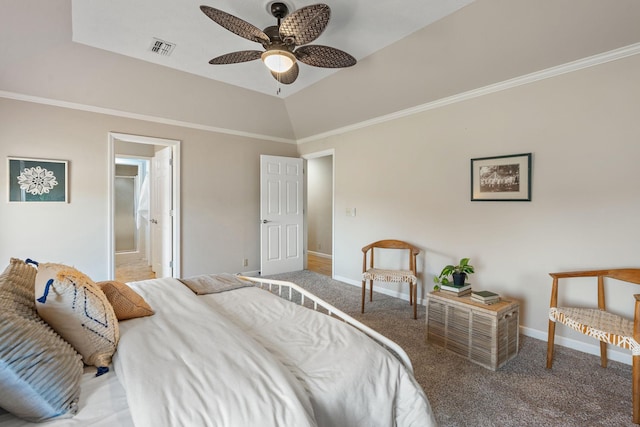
548,73
136,116
569,67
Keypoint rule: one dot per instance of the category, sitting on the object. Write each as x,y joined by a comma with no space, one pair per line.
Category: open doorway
143,207
320,189
132,231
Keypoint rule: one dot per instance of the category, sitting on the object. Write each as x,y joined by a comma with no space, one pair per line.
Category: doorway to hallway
320,215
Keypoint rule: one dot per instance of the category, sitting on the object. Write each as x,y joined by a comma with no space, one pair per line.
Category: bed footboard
300,296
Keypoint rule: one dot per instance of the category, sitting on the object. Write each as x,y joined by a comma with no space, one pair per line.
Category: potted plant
458,272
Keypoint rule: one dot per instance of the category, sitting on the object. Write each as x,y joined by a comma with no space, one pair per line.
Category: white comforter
190,366
351,380
257,360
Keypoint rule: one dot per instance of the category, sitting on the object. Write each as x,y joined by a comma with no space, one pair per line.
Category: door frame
329,152
175,198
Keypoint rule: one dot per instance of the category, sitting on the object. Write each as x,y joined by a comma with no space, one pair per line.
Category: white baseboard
319,254
612,354
379,289
253,273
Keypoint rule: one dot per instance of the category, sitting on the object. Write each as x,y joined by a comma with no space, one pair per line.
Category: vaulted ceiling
94,54
359,27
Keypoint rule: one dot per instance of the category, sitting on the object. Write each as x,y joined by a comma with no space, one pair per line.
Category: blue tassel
102,370
30,261
43,298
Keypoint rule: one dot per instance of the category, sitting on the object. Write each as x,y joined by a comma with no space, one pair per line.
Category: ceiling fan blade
305,24
236,25
288,76
236,57
324,56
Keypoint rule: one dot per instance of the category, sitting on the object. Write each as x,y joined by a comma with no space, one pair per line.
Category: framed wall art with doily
37,180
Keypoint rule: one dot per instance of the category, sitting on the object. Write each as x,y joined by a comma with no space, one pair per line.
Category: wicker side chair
600,324
371,273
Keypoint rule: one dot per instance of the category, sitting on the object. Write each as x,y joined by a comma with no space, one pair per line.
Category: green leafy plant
463,267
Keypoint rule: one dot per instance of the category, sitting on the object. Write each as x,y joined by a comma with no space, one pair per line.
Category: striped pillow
39,371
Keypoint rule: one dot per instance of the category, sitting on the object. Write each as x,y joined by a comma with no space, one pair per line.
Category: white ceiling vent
161,47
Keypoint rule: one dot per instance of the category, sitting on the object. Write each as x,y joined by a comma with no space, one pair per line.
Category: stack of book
457,290
485,297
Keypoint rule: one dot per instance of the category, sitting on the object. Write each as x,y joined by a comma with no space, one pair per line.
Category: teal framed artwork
38,180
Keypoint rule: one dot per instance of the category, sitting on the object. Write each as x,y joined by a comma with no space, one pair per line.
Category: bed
263,352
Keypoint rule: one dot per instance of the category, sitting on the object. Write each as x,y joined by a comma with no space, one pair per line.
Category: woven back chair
598,323
370,273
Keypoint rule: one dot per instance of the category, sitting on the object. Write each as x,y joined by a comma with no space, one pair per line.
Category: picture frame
37,180
501,178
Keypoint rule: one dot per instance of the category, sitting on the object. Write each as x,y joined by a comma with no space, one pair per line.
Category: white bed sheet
103,403
351,380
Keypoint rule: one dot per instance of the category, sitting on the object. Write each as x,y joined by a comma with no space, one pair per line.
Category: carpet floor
576,392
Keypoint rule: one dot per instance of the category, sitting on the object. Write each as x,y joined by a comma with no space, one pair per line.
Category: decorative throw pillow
126,303
39,371
72,304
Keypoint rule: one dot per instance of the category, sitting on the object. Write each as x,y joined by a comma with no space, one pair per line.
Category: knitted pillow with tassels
77,309
40,372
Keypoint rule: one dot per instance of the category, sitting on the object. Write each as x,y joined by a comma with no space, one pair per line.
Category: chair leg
603,354
411,294
550,340
415,300
370,290
635,386
364,292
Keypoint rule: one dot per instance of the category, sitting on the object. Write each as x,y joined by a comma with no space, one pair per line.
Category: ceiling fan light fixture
278,60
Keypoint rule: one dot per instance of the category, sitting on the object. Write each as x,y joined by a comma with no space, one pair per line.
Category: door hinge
171,264
171,162
171,212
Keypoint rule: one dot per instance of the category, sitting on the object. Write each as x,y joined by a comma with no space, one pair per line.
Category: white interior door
161,214
281,215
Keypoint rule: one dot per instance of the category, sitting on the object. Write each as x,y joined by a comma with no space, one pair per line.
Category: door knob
264,221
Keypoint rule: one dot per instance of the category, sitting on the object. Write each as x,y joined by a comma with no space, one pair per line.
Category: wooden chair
600,324
397,276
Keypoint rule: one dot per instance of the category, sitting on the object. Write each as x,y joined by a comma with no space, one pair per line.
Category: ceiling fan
285,42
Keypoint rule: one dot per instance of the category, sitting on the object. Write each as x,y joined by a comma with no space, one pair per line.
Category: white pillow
72,304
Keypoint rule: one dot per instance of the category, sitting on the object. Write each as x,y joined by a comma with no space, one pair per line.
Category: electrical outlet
245,263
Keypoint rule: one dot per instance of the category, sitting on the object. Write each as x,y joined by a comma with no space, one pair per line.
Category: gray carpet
576,392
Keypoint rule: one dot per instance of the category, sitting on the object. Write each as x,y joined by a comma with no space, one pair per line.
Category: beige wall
220,190
409,179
